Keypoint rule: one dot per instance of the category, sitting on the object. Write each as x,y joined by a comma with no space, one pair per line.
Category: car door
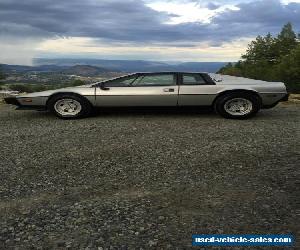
196,89
148,89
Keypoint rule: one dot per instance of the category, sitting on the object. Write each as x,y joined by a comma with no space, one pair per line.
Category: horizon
159,30
104,59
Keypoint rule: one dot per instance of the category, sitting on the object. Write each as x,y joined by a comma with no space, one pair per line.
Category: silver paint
183,95
137,96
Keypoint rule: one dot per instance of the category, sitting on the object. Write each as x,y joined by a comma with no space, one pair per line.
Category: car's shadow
153,111
137,111
206,112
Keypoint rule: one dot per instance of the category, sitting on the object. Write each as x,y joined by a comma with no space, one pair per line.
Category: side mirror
102,86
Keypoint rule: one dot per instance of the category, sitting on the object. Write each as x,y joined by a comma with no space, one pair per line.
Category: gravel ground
145,179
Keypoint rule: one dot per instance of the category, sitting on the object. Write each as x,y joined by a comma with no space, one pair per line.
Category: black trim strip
31,107
51,95
174,94
198,94
21,97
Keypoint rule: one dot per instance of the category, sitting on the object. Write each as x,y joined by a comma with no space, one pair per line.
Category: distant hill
82,70
85,70
134,65
23,69
94,67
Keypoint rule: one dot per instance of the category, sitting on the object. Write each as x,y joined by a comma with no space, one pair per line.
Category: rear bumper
285,98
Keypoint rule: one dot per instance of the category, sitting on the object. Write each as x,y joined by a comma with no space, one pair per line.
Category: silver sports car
231,97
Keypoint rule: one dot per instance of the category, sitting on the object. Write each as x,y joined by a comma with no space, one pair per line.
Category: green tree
20,88
77,82
288,70
231,69
286,40
271,59
37,87
262,49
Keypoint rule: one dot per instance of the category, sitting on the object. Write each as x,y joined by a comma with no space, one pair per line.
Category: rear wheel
69,106
237,105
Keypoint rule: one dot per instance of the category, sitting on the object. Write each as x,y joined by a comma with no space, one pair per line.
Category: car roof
155,72
168,72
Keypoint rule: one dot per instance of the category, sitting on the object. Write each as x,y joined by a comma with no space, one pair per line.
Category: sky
160,30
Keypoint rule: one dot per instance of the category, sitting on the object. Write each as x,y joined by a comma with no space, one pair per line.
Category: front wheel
69,106
237,105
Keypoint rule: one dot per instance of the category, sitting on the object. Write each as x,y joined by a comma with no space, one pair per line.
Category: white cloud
185,12
193,30
88,47
16,51
290,1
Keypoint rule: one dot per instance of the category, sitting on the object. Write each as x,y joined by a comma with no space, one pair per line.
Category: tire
69,106
237,105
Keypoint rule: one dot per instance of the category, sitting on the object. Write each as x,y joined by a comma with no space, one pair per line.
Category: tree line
271,58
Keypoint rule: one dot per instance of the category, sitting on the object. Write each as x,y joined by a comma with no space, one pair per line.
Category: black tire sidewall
220,103
85,105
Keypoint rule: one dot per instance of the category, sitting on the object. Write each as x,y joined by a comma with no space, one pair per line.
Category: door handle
169,90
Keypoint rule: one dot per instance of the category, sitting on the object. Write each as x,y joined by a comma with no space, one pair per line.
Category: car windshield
124,81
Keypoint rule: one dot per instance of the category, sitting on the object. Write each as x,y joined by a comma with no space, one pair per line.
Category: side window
121,82
155,80
192,79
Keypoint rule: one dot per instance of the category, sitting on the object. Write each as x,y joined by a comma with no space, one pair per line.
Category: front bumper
12,100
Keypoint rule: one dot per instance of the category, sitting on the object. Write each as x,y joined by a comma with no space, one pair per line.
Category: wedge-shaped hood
51,92
230,80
